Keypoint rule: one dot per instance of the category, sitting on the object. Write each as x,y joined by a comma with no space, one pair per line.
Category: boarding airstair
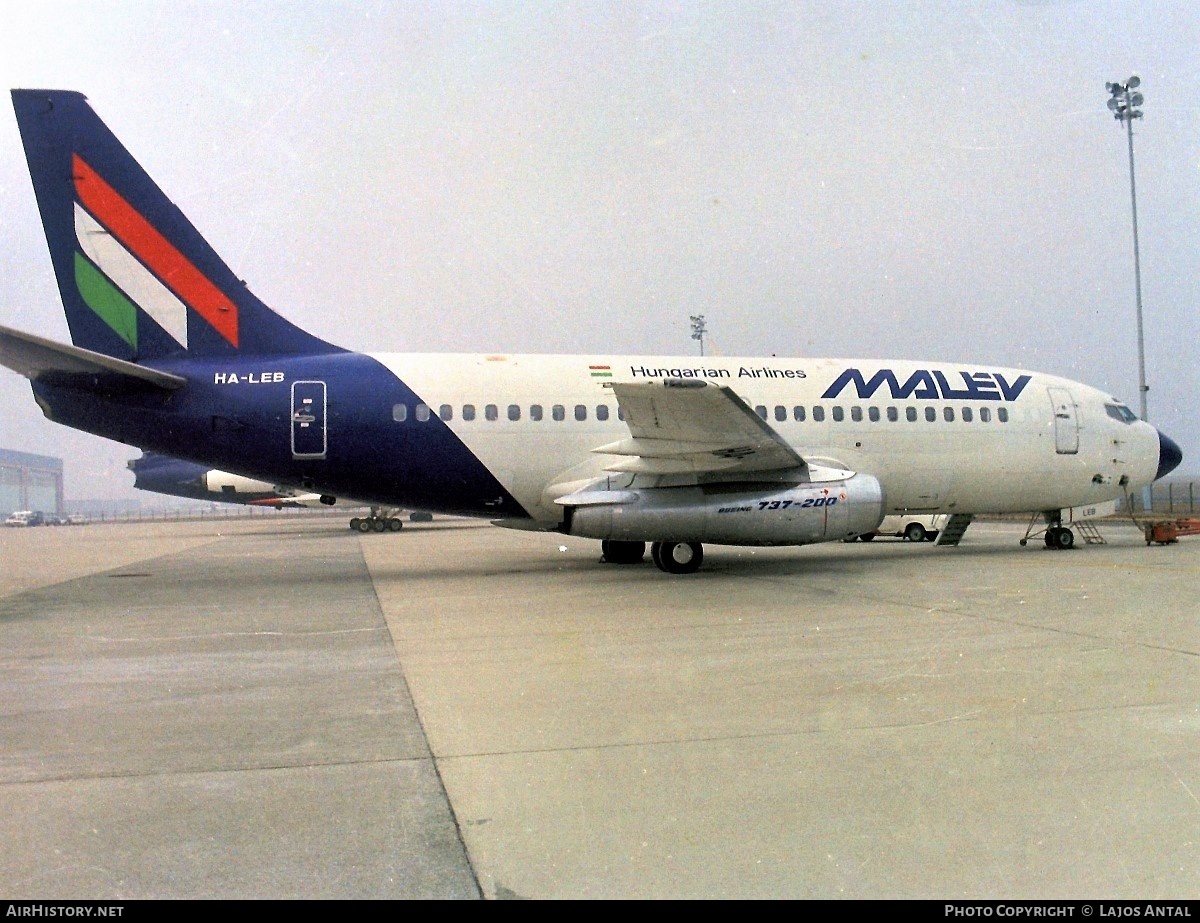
952,532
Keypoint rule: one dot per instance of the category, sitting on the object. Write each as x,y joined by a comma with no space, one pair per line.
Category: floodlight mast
1123,103
698,330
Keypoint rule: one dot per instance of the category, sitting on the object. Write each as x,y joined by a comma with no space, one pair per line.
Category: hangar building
30,482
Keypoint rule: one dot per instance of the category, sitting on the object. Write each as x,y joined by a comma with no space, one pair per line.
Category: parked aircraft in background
172,353
178,478
175,477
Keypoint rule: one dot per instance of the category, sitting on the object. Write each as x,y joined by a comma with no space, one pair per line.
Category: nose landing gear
1057,536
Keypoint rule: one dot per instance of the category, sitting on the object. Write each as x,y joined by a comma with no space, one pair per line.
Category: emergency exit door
308,419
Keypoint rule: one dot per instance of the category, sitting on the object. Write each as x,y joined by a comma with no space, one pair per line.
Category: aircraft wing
688,426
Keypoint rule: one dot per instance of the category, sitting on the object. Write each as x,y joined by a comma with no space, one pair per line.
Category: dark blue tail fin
137,280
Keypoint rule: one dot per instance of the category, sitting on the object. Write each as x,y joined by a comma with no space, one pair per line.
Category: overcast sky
925,180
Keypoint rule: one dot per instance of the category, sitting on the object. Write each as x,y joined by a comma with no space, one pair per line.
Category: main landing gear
376,523
1056,535
383,520
677,557
669,557
622,552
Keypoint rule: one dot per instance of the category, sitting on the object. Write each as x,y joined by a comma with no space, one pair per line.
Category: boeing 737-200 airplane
173,354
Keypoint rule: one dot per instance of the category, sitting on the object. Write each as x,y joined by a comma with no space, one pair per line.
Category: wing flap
673,465
658,447
688,426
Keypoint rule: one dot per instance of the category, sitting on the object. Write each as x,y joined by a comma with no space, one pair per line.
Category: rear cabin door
308,419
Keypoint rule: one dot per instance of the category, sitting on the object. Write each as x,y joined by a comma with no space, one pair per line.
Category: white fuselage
940,437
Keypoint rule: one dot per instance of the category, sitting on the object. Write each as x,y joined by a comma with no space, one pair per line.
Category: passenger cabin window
985,415
399,412
1002,414
761,410
601,411
873,414
780,413
558,412
893,414
580,412
838,413
535,412
856,414
818,414
514,412
948,414
491,412
468,412
446,412
930,414
422,413
910,414
968,415
798,413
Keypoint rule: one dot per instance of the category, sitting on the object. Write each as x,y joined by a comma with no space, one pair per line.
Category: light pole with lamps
699,328
1123,103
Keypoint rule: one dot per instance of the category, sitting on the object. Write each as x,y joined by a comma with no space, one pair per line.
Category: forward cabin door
1066,422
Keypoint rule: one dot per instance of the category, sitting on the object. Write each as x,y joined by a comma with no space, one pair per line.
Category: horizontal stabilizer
39,359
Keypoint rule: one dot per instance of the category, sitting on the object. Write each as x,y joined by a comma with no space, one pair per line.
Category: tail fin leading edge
138,281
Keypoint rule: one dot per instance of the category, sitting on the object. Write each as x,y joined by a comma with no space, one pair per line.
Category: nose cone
1169,456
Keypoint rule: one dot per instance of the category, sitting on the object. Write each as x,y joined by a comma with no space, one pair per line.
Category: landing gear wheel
616,552
677,557
866,536
914,532
1060,538
364,526
378,525
354,523
395,525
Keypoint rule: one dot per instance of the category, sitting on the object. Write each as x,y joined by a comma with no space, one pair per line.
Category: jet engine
729,514
222,482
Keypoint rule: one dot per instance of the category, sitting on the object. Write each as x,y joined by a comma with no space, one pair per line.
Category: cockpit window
1120,412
